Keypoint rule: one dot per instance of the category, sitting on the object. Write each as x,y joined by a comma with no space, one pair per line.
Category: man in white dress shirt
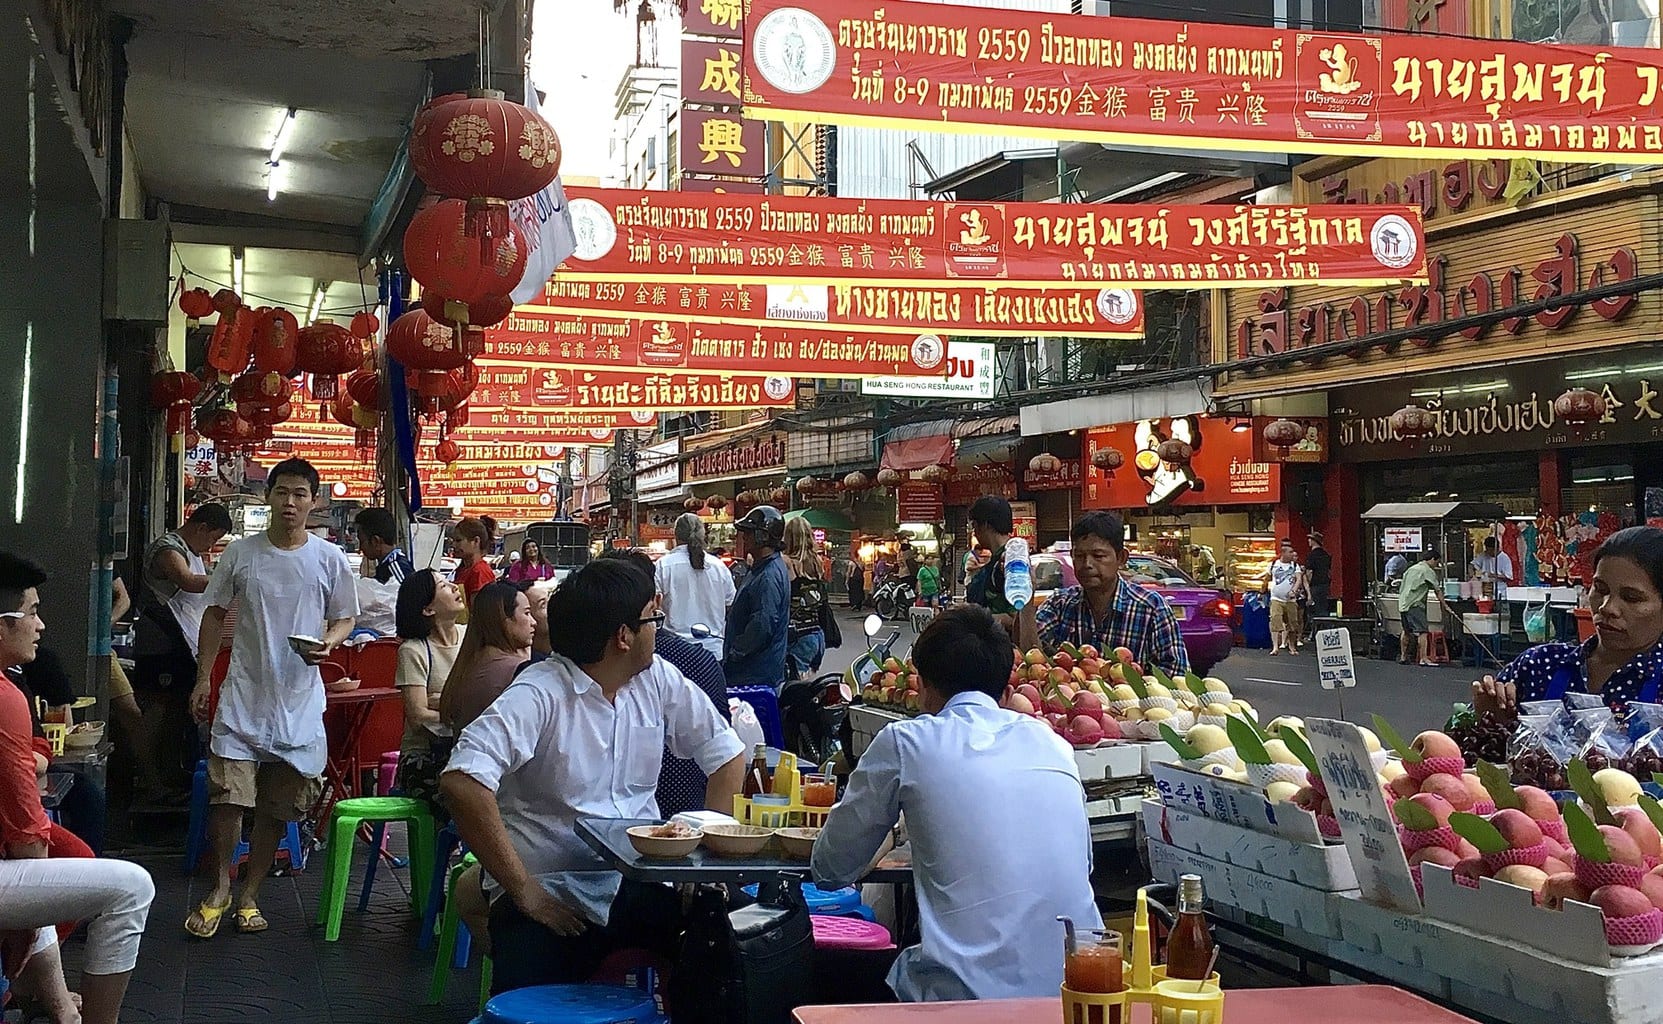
985,792
582,734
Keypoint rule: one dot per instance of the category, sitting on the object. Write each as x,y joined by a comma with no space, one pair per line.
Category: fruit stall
1445,864
1106,708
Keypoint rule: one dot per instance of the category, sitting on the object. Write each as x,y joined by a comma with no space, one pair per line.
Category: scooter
813,712
894,596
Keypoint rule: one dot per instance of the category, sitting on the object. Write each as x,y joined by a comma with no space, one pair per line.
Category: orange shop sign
989,310
1221,468
634,237
1130,81
605,342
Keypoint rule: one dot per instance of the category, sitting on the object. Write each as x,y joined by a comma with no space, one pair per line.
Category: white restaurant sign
970,375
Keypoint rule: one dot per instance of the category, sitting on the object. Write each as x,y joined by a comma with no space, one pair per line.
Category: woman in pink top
530,567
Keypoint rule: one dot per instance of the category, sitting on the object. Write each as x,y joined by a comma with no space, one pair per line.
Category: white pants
112,896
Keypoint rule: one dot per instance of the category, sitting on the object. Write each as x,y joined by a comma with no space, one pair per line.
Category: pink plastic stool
849,933
389,771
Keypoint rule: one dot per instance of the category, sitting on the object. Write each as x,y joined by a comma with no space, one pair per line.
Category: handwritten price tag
1365,820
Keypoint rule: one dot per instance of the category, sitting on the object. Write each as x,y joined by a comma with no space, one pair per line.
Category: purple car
1204,613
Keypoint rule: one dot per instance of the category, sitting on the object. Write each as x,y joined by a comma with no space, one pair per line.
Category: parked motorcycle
813,712
894,596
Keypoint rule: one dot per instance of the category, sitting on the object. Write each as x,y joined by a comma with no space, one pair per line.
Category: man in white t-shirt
268,747
1493,566
1285,582
697,587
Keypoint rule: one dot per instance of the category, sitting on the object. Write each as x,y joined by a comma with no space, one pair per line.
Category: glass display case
1247,558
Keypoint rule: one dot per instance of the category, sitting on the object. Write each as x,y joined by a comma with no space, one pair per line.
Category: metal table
609,838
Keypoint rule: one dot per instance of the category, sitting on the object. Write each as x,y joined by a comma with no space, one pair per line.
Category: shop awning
1436,512
823,519
1147,403
918,452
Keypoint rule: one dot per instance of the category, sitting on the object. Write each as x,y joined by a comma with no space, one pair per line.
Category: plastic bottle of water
1019,582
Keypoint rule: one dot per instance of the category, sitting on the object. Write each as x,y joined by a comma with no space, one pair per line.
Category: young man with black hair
582,734
1105,610
991,525
36,893
378,540
268,748
982,788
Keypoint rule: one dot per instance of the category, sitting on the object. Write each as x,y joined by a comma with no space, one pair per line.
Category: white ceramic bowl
736,840
648,845
798,843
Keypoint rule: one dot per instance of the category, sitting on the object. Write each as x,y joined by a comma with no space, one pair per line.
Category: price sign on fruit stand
1334,661
1360,807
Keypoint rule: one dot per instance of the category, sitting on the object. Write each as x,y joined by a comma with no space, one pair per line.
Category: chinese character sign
721,142
648,237
518,388
1131,81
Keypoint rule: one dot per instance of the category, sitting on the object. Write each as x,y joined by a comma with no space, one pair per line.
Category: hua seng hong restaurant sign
760,455
634,237
1221,468
1504,409
1128,81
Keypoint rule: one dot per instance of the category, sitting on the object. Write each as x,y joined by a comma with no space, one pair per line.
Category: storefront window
1507,480
1599,483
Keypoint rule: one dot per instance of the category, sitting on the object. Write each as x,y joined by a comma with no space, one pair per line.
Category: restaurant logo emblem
1393,242
807,303
553,387
794,51
1119,306
645,417
777,389
1339,88
927,351
594,228
601,434
662,344
976,240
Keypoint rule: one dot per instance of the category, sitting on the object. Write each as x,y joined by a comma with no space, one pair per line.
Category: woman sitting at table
500,631
1624,660
428,607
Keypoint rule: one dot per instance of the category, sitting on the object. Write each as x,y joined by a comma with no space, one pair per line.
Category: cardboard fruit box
1234,803
1323,867
1276,899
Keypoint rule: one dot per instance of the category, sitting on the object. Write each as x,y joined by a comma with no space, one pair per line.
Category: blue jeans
805,653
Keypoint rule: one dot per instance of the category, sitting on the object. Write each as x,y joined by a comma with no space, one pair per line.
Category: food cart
1410,528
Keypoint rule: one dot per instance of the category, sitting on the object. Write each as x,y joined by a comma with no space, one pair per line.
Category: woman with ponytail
697,587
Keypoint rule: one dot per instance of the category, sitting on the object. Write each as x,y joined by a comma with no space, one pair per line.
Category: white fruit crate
1234,803
1113,759
1276,899
1315,866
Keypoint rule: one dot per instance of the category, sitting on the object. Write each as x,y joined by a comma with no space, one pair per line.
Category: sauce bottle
1189,949
758,780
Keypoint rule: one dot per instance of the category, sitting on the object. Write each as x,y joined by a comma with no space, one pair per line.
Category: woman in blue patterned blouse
1624,660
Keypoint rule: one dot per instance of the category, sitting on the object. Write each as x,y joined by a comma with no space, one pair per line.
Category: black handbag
748,966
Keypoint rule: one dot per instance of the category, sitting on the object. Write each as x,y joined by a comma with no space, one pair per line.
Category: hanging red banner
517,388
749,186
577,340
977,310
1129,81
635,236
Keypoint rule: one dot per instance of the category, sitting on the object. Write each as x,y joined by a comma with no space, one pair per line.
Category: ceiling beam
199,225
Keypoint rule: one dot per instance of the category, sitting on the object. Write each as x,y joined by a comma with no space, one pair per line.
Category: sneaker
1428,664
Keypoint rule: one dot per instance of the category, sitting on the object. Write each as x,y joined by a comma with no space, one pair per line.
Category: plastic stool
196,836
833,902
349,815
445,846
453,948
290,845
1437,649
572,1004
849,933
767,705
387,774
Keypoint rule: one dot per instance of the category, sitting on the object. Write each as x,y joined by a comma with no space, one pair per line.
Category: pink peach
1557,866
1437,855
1562,886
1435,805
1537,803
1472,868
1634,821
1451,788
1435,744
1624,850
1652,886
1403,786
1621,901
1523,876
1475,786
1518,828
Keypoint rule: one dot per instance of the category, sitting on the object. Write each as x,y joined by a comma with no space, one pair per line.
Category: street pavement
1410,697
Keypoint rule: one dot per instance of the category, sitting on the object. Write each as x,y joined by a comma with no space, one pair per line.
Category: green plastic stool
349,816
449,926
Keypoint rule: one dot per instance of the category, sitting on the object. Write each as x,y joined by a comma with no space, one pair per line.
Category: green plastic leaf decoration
1137,684
1249,747
1585,837
1253,723
1162,678
1582,781
1179,744
1301,749
1478,832
1413,816
1657,777
1500,788
1195,684
1653,809
1404,750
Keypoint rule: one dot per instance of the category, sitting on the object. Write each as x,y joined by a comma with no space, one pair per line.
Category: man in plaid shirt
1105,610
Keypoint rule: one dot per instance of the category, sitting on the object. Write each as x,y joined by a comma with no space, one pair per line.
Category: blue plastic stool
445,845
767,705
831,902
290,845
571,1004
197,831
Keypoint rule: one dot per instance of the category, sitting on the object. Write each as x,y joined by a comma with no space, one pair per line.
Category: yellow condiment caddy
1171,1001
793,813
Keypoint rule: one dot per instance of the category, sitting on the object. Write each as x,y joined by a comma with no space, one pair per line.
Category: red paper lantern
196,304
716,503
807,485
889,477
224,427
1412,422
364,325
448,451
486,312
1108,459
443,391
264,417
350,414
174,391
935,474
855,482
226,301
261,389
779,496
364,385
440,254
1284,434
276,332
481,146
1579,407
229,348
424,344
693,504
326,350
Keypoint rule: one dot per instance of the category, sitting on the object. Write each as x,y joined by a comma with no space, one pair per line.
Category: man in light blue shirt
996,816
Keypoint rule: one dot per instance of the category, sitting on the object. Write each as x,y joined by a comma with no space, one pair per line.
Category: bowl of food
343,684
84,736
798,843
736,840
668,841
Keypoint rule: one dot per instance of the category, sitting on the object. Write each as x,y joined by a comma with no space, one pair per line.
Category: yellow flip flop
210,918
250,920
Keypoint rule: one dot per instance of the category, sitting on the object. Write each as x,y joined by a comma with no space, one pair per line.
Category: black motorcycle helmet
764,524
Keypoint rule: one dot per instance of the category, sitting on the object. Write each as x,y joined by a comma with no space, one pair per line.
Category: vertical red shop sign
721,142
918,502
719,19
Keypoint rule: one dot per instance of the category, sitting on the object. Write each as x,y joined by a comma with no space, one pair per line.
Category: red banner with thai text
634,236
1129,81
518,388
978,310
577,340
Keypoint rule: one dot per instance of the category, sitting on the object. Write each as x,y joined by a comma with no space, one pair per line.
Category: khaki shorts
272,789
120,685
1284,615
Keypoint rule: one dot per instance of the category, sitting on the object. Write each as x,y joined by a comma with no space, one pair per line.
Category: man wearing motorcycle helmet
759,618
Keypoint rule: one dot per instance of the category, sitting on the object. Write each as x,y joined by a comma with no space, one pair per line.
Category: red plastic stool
1437,650
849,933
